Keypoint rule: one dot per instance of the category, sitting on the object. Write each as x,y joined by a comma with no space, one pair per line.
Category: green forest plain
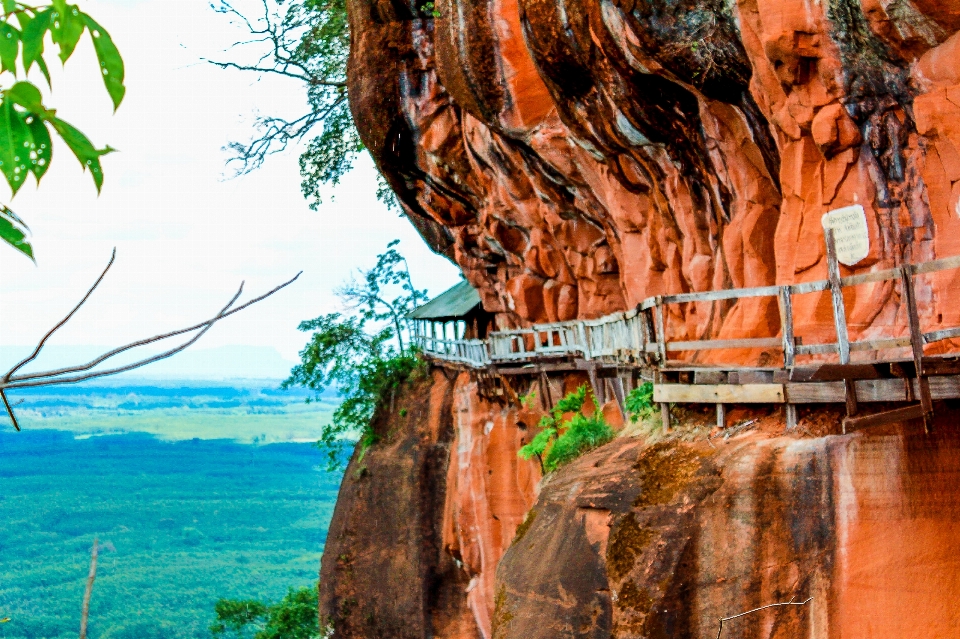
196,492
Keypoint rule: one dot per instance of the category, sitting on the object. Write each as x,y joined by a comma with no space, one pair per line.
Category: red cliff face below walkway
439,531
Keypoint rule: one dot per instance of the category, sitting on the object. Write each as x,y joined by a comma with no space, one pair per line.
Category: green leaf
9,47
15,145
28,96
42,147
9,6
67,27
111,64
44,70
14,232
34,31
83,149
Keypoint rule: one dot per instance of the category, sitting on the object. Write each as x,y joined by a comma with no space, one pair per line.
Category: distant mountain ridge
218,363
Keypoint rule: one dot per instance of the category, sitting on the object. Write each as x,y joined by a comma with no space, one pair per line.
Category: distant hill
220,363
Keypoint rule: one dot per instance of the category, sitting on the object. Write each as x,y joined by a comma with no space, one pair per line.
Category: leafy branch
308,41
25,122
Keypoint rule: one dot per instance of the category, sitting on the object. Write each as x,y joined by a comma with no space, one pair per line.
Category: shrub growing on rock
561,441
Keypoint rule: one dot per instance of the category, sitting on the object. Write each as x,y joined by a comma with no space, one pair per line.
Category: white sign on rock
850,233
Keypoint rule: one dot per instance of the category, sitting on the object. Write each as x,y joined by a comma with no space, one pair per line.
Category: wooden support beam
546,398
916,344
721,416
887,417
791,416
665,416
836,296
618,394
660,325
786,327
840,318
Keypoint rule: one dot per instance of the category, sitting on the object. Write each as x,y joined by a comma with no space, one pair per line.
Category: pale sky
185,235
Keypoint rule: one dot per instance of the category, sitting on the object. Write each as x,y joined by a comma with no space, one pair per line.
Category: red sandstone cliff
577,156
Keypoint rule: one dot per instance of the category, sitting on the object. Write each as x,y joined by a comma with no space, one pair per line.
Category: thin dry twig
43,340
773,605
85,610
10,380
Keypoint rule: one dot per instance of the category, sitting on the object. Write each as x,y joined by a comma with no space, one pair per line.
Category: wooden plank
721,416
786,327
867,278
723,294
719,393
714,344
880,344
754,377
936,336
916,343
943,264
834,372
817,349
709,377
944,387
809,287
815,393
940,366
886,417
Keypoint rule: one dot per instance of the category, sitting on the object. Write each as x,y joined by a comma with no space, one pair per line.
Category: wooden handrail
629,335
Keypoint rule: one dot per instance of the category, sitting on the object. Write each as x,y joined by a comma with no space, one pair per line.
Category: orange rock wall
661,541
576,157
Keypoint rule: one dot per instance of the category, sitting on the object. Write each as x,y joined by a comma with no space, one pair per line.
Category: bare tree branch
10,381
36,351
85,610
9,409
773,605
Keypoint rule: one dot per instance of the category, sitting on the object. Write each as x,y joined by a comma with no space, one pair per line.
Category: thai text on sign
850,233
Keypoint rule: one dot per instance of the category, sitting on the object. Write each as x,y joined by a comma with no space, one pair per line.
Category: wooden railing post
786,327
916,344
660,327
789,347
840,318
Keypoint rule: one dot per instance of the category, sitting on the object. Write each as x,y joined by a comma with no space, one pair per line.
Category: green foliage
293,617
430,9
560,442
25,122
263,512
361,353
527,400
639,402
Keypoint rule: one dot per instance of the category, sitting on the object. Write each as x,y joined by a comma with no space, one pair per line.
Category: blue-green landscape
196,491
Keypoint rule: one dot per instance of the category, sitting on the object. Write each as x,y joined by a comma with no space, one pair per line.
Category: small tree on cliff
307,41
361,351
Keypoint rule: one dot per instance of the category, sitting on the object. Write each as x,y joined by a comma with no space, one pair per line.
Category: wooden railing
638,336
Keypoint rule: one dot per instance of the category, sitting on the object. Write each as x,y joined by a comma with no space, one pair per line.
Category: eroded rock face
576,157
661,541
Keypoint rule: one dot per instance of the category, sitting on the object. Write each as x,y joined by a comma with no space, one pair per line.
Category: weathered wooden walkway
635,342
